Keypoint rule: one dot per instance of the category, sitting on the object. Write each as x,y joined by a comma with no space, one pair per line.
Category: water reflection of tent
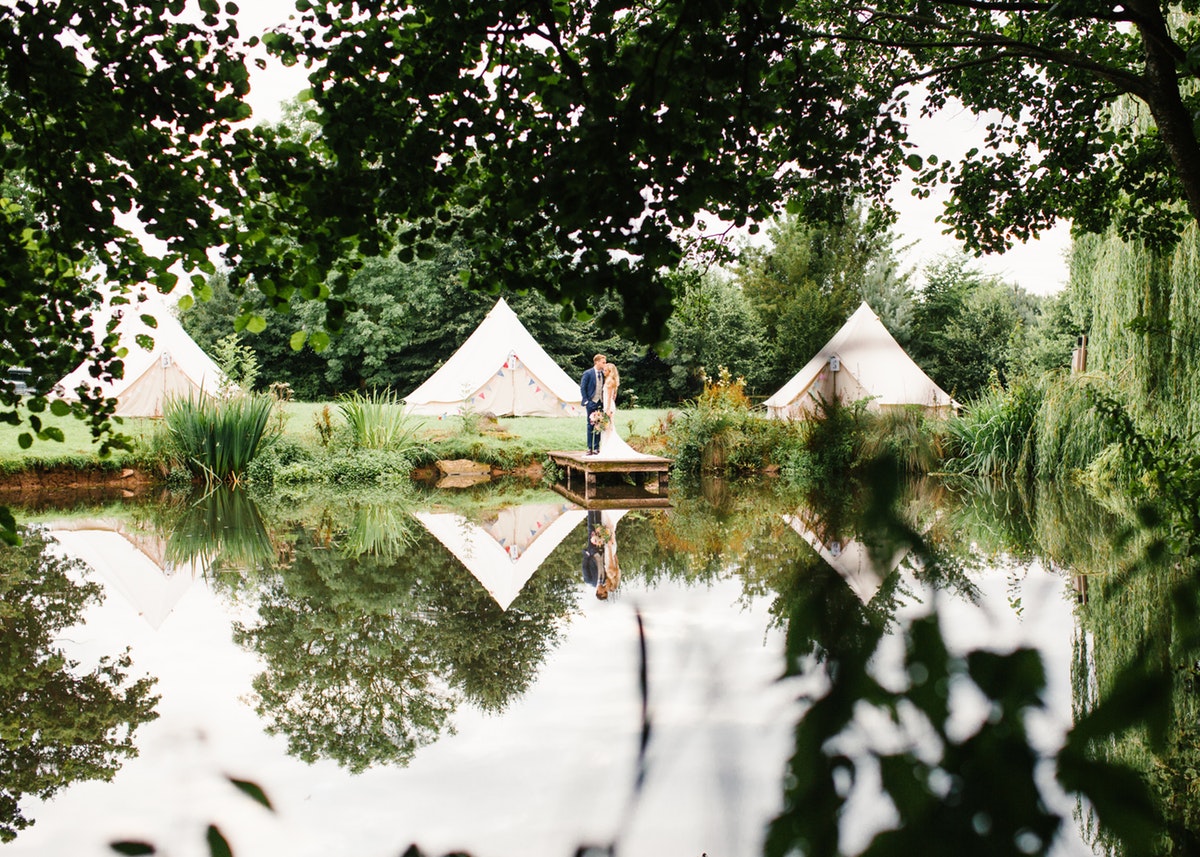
133,563
849,558
504,553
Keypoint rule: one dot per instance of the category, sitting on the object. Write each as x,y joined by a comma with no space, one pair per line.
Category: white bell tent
849,558
861,361
174,366
499,370
132,563
504,553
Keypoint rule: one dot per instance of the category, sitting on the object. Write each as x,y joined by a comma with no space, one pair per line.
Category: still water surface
396,675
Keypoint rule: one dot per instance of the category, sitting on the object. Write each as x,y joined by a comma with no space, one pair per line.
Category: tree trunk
1174,121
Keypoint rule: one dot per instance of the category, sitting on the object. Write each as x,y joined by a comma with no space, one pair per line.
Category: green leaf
256,324
8,527
297,340
914,162
218,846
185,303
165,282
25,440
59,408
150,321
319,341
131,847
52,433
254,791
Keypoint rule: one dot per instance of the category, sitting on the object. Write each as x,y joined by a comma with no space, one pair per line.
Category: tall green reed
1071,432
995,434
218,438
378,421
908,435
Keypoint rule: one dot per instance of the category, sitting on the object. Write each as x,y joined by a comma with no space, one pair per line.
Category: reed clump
378,420
216,439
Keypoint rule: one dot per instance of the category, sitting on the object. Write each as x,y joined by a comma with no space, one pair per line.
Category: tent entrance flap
513,389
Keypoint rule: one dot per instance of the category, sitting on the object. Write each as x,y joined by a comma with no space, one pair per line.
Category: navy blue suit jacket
588,386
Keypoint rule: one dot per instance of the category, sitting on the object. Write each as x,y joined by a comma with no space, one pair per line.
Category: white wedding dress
611,444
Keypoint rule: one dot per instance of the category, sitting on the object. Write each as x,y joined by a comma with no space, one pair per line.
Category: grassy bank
319,427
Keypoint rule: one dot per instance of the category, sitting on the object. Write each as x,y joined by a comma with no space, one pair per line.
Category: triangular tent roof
499,370
871,365
504,553
132,563
176,365
849,558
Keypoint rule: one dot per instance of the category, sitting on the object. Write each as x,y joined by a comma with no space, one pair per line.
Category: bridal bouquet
601,535
600,420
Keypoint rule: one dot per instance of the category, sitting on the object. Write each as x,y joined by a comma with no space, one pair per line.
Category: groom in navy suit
591,389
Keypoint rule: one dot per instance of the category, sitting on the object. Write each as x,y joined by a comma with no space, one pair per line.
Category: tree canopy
587,137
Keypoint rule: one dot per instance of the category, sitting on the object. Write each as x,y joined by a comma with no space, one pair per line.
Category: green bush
829,448
720,433
275,457
367,467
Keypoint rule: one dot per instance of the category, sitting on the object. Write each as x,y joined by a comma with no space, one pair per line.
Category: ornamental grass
218,438
378,421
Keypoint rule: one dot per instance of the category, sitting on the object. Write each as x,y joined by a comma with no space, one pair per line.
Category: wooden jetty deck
601,483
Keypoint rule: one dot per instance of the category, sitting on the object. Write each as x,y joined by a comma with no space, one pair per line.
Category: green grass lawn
77,446
300,422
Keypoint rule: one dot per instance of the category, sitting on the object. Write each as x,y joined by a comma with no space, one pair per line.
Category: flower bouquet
600,420
601,535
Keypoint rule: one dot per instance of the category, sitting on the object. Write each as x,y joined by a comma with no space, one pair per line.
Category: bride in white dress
611,444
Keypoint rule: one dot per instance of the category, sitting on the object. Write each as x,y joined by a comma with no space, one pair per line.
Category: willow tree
1143,309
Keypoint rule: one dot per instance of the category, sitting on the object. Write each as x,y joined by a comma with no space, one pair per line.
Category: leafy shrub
720,433
281,453
830,444
367,467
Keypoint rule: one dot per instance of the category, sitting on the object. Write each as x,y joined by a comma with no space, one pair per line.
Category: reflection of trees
367,657
58,725
710,529
492,655
953,793
1127,618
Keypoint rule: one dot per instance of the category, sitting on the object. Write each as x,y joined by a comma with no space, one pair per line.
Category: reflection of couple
598,388
600,567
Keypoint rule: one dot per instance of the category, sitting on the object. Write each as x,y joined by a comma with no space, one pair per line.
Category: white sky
1039,266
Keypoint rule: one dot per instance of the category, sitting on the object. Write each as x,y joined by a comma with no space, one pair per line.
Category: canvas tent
848,557
499,370
175,365
861,361
505,552
132,563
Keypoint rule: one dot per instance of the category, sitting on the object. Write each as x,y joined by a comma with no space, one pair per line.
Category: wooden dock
603,483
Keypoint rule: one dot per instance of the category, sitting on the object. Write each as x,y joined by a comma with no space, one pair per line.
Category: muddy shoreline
48,487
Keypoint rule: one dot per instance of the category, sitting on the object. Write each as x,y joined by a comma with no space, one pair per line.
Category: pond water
440,671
